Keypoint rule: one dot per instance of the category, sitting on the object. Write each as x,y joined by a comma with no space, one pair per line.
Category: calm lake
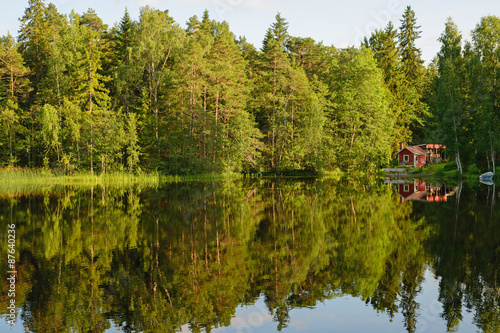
252,256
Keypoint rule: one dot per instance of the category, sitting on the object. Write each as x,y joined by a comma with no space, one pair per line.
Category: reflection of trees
465,251
154,260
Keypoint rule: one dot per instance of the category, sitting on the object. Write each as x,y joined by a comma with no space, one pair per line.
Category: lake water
252,256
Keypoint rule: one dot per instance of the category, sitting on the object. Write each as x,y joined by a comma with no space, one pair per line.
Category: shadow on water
186,256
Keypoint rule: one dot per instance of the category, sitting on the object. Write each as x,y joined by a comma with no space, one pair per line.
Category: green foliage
13,73
450,166
361,122
203,102
464,103
50,128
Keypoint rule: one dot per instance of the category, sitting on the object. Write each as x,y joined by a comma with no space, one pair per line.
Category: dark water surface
253,256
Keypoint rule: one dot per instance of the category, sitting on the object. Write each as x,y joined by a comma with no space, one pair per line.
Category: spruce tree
411,61
91,92
414,110
125,72
34,41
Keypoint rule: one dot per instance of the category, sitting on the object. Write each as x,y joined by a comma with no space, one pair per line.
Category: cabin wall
410,155
420,161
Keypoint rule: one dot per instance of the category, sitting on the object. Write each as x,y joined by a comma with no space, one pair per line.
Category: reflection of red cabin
407,189
420,155
419,190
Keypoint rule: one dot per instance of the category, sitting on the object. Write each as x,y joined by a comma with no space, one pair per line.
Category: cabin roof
414,149
432,146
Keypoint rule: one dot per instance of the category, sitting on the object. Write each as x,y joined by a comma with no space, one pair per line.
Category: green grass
42,176
47,177
448,170
17,181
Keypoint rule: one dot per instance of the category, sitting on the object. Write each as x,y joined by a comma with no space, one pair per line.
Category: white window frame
406,188
406,158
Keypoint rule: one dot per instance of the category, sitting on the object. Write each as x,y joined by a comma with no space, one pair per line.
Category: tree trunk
492,154
91,119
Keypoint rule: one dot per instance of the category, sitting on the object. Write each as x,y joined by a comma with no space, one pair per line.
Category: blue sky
338,23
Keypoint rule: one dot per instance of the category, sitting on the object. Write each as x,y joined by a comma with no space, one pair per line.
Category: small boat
486,176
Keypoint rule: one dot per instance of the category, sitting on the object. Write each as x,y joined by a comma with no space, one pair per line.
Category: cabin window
406,158
407,186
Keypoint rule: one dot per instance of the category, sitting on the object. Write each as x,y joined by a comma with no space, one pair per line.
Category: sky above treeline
338,23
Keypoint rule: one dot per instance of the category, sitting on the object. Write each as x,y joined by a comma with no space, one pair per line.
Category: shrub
452,165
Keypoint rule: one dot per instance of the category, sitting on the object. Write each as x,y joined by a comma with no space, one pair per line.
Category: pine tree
13,73
191,101
234,132
54,85
273,109
15,86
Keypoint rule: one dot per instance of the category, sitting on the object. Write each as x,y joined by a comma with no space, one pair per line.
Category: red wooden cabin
420,155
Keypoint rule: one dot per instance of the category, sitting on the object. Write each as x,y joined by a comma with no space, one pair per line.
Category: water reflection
422,190
185,256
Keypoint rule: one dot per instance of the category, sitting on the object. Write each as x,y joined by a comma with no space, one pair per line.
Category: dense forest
149,94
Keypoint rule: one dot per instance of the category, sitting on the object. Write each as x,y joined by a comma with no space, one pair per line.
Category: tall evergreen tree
234,132
411,61
34,41
274,92
126,72
414,110
91,92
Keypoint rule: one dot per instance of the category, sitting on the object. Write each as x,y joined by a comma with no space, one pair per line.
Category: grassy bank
48,177
41,176
448,170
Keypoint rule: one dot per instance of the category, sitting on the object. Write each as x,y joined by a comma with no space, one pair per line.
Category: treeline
151,95
466,99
